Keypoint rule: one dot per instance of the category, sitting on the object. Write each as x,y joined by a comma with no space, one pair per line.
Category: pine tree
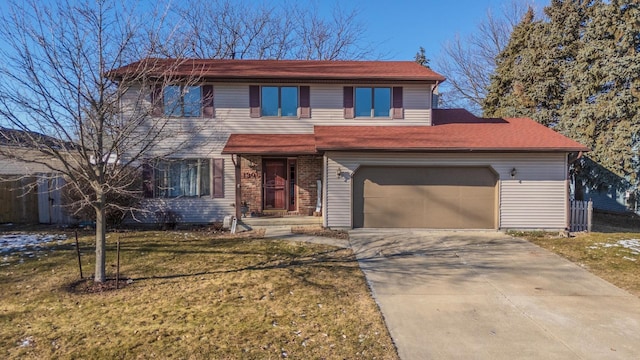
601,109
421,58
509,94
529,77
578,71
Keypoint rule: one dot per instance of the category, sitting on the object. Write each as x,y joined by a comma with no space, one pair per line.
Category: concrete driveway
486,295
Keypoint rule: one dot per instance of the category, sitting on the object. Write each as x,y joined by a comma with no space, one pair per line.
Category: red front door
275,183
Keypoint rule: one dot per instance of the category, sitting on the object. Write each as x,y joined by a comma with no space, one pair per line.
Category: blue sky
400,27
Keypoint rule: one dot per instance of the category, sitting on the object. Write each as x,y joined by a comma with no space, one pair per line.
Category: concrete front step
254,222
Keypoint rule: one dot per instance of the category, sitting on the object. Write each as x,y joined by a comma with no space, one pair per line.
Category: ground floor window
183,178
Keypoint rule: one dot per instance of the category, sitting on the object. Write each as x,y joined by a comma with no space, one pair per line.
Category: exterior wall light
513,172
339,172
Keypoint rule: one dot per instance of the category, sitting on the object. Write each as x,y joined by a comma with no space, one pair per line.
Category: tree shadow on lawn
334,259
606,222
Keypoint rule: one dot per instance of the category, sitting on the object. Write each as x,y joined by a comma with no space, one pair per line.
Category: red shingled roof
453,130
272,144
282,69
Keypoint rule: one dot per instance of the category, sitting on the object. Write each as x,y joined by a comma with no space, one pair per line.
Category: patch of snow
628,258
630,244
26,342
22,242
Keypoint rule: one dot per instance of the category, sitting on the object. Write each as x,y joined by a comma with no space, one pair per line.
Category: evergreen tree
578,71
529,78
421,58
601,109
510,92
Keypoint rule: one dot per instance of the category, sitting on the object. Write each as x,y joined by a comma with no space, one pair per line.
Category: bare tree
68,68
224,29
336,38
58,88
468,62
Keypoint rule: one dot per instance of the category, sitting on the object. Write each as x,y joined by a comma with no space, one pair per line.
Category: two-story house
358,141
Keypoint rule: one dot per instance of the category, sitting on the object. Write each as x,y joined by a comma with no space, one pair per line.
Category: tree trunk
579,188
100,275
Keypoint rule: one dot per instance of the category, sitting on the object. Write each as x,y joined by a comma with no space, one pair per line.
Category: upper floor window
279,101
372,101
179,100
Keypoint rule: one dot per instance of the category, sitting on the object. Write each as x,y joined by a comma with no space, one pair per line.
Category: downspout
235,158
325,188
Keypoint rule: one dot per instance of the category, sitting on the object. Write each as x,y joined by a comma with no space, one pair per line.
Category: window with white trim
280,101
182,178
372,102
183,101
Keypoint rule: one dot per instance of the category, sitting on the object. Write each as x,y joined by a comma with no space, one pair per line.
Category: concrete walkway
284,232
486,295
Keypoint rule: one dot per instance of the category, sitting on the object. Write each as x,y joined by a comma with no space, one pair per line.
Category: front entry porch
279,186
281,221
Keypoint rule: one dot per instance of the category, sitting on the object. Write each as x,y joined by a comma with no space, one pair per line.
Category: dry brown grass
600,251
193,296
320,231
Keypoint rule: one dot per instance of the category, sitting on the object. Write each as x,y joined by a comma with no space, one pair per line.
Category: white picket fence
581,215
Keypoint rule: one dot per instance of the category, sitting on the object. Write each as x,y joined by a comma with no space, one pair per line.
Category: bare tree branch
468,62
224,29
57,91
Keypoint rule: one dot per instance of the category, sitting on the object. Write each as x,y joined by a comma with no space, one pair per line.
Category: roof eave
456,150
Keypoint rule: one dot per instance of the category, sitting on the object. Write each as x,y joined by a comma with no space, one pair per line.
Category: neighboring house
30,193
361,134
615,198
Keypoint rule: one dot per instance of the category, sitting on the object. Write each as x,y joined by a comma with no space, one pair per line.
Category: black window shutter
218,178
207,101
254,101
348,102
156,100
398,110
305,102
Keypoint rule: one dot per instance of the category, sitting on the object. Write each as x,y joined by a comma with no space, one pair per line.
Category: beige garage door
425,197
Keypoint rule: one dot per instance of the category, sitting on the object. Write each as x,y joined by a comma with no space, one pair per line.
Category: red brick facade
309,171
251,182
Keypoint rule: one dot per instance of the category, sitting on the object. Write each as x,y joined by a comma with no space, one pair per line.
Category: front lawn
611,251
194,295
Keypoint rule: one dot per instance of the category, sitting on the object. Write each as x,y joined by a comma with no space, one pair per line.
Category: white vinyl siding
536,198
205,137
537,195
417,104
196,137
231,106
232,109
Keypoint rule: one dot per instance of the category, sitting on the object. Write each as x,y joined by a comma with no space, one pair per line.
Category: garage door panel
373,190
387,220
443,216
424,197
381,204
475,214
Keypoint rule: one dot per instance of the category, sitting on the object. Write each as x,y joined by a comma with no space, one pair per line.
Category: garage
425,197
